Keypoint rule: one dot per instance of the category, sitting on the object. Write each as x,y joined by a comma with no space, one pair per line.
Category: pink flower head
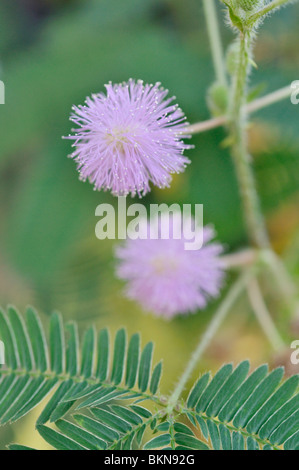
167,279
128,138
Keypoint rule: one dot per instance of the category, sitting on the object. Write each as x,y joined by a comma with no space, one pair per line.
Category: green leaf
72,349
127,414
103,355
241,395
145,367
286,429
233,411
58,440
112,420
19,447
79,390
56,343
255,405
190,442
27,351
238,441
17,388
158,442
8,337
119,357
104,395
6,385
197,390
81,436
156,376
63,407
213,387
214,435
22,340
133,360
203,426
279,416
38,340
183,429
163,427
292,443
225,436
140,434
143,412
95,427
259,396
88,353
55,400
229,387
277,400
38,390
252,444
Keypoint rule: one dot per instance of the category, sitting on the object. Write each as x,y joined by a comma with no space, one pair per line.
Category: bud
217,99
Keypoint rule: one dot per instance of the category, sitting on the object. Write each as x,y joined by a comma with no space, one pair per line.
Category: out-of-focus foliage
55,53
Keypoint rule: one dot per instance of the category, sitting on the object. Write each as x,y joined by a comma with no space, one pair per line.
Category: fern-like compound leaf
105,394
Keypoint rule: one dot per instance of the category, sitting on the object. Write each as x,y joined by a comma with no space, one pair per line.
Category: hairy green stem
242,160
205,340
215,40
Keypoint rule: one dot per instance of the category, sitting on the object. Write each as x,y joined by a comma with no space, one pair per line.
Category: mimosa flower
165,278
129,137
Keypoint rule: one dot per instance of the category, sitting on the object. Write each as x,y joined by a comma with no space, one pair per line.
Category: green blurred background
53,53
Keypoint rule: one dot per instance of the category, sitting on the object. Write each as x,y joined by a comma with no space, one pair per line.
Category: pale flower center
164,264
117,138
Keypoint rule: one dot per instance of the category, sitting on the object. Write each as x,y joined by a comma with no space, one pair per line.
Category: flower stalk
263,316
252,107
